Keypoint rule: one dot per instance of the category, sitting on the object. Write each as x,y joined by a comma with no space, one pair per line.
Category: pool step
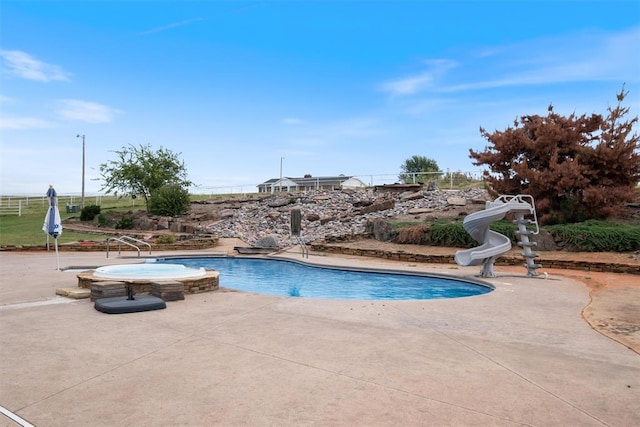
75,293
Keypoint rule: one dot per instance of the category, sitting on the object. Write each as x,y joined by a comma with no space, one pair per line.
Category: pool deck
520,355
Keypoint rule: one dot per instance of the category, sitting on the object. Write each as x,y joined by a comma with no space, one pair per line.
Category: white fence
9,208
18,205
445,180
41,201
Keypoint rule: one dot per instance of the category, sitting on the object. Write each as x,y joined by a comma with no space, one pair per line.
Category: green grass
27,229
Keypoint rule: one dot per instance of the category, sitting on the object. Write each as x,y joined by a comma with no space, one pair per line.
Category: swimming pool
289,278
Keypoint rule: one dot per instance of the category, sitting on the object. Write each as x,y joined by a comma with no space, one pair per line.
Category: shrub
89,212
125,223
413,235
598,236
170,200
102,220
444,233
167,239
453,234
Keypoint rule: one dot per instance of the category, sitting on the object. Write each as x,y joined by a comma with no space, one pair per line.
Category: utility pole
280,184
83,152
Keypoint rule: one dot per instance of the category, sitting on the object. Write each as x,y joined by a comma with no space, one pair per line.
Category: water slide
493,244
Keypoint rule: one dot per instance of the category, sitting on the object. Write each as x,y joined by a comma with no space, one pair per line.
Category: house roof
314,180
275,180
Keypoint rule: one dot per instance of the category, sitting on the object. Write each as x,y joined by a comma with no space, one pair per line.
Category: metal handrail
142,242
305,250
124,240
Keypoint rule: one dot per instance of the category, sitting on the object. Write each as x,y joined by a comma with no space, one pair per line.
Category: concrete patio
520,355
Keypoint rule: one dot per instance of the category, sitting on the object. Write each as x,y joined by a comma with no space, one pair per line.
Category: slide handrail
522,198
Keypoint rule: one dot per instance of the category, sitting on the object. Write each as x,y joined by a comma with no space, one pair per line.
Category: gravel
328,214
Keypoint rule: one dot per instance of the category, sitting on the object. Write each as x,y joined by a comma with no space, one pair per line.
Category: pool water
288,278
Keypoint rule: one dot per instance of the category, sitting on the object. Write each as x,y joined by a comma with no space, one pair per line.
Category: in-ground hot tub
142,276
148,271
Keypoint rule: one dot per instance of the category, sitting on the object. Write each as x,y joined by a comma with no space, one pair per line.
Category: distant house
277,184
309,182
353,183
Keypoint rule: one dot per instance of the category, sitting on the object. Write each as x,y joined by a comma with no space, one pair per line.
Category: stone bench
168,291
107,289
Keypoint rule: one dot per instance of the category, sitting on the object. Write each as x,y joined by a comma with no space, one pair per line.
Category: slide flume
492,243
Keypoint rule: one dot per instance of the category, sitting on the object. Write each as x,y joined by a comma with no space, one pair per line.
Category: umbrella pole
57,259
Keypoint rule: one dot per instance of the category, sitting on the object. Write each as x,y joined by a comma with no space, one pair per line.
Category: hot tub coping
204,283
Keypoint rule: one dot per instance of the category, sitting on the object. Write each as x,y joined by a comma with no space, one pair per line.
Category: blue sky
334,87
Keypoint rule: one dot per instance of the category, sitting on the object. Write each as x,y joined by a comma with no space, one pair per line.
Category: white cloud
85,111
413,84
408,85
23,65
579,57
582,57
22,123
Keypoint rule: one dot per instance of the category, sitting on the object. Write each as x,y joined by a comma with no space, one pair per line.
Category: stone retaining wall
101,246
399,255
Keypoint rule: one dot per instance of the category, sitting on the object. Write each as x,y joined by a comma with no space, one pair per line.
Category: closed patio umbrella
52,222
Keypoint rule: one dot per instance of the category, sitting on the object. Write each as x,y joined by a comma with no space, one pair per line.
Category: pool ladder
127,240
303,246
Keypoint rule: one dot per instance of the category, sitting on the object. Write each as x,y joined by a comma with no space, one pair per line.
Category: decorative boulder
381,230
267,242
273,215
378,206
277,203
411,195
457,201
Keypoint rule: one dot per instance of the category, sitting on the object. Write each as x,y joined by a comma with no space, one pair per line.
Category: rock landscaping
327,215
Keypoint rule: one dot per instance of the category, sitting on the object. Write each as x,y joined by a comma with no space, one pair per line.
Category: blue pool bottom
289,278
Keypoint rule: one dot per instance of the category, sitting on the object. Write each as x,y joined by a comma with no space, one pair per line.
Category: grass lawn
27,229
